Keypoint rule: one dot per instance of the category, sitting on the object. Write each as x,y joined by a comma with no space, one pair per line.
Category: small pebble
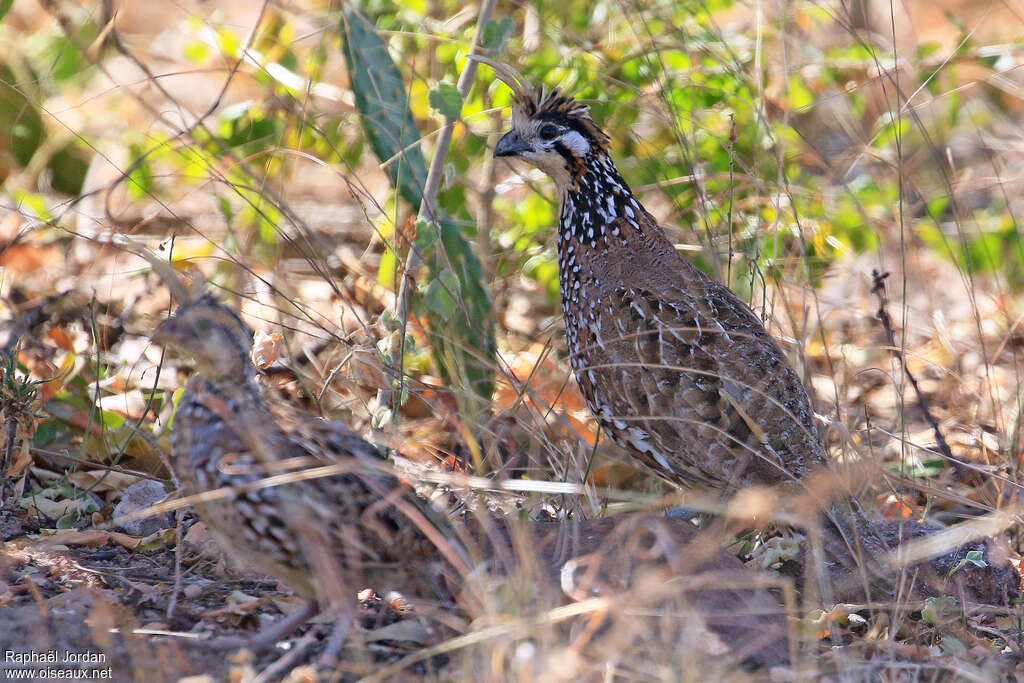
140,496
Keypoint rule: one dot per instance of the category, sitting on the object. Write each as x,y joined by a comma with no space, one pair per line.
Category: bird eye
549,131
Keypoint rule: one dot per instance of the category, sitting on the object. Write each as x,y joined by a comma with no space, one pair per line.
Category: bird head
550,130
213,335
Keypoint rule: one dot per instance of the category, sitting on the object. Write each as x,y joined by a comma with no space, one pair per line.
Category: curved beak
510,145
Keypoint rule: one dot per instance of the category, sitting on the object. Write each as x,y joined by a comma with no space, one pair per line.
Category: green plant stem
428,207
485,222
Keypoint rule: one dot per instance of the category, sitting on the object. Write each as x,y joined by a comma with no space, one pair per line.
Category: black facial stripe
573,163
568,154
569,122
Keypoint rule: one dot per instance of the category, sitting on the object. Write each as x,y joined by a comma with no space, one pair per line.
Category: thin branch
428,206
878,289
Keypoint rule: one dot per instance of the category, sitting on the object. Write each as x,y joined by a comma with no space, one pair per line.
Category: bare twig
179,520
11,428
878,289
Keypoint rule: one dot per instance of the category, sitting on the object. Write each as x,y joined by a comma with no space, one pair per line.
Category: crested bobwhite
678,371
320,535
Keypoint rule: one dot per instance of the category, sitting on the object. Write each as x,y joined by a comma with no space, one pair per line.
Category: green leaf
977,558
381,99
800,96
446,99
175,401
112,420
462,338
30,203
387,271
938,611
891,132
5,7
937,206
155,541
986,252
69,519
20,121
458,307
140,179
439,295
954,646
198,52
68,168
225,209
496,34
65,59
229,42
46,433
926,50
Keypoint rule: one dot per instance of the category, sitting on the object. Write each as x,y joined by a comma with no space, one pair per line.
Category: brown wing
692,384
366,493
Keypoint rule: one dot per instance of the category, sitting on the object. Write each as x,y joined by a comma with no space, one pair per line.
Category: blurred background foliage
774,142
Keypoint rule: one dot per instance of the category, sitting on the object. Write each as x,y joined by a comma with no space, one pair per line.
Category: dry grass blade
171,278
991,525
506,74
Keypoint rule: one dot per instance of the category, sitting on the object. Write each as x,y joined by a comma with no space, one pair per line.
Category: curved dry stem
506,74
181,291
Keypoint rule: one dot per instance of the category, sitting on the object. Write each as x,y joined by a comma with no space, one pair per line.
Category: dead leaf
161,539
614,474
90,538
131,404
266,349
61,337
54,509
96,537
10,226
894,507
103,480
23,457
22,259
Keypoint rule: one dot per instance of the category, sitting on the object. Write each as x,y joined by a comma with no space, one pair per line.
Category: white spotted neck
599,213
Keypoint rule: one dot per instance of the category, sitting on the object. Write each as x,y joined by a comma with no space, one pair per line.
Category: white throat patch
576,142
